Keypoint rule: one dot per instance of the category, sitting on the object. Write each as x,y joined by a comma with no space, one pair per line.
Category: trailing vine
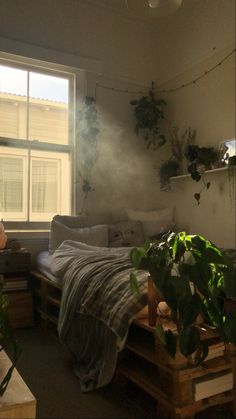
87,149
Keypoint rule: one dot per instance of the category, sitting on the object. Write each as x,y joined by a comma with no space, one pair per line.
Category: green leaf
208,185
197,196
133,283
230,288
201,353
189,340
189,309
170,343
213,255
159,331
230,327
136,256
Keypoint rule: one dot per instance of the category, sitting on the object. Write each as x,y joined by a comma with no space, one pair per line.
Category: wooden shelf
220,169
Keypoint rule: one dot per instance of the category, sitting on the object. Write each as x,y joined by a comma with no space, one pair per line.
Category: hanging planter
88,150
148,113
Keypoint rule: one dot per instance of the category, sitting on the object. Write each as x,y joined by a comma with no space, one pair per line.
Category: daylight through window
36,140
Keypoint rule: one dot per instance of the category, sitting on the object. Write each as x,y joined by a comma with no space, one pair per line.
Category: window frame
56,70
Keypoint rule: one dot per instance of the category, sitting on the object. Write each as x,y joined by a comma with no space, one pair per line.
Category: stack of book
213,384
215,349
15,283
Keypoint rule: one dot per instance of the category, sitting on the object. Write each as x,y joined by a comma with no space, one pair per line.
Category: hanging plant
201,159
231,177
87,149
148,113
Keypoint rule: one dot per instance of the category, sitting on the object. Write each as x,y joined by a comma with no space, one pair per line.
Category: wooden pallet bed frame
145,362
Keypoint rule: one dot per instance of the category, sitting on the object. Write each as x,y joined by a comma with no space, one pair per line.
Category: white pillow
95,235
154,222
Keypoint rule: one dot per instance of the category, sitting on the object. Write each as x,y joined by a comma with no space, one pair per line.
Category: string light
174,89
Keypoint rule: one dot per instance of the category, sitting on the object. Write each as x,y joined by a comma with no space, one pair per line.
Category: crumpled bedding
97,306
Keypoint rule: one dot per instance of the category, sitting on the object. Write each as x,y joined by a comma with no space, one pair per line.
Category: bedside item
3,237
14,270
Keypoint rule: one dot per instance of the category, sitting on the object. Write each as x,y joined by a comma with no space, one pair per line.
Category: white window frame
43,67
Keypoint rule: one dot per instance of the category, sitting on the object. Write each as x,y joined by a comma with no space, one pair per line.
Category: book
213,384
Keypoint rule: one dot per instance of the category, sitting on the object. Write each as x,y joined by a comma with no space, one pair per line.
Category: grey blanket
97,306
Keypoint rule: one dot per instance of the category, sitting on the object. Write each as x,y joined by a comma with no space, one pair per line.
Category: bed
82,285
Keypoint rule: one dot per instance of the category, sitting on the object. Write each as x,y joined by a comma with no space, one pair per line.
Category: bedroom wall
123,174
195,45
132,54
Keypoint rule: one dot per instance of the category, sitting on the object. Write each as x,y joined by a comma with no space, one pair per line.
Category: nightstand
15,268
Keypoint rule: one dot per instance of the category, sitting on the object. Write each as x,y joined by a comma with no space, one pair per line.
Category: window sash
32,145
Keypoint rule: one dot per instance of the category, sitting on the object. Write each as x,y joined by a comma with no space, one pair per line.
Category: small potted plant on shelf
195,279
168,169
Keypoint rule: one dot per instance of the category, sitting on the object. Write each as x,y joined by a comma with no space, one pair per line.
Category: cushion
95,235
82,220
154,222
126,233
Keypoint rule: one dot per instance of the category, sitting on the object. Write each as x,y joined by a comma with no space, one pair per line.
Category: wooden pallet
47,297
146,363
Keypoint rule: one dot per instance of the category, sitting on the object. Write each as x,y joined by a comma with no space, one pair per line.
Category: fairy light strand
174,89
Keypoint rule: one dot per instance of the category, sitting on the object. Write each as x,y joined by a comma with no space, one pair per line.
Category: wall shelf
220,169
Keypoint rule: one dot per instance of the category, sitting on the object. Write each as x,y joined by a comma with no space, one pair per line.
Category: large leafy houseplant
7,339
194,278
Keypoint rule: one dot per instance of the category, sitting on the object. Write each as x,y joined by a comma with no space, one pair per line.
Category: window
36,142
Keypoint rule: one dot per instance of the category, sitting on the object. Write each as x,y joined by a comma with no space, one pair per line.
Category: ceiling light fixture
156,3
153,3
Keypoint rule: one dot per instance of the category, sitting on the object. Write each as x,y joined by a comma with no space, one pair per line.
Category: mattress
43,263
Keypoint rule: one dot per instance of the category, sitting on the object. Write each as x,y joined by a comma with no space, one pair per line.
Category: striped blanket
96,289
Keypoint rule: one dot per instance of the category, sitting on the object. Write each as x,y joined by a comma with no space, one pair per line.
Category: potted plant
7,338
169,168
148,113
194,278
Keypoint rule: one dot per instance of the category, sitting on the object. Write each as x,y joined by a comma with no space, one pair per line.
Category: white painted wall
195,44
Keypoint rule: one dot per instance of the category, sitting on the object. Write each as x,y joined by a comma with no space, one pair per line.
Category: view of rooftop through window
14,81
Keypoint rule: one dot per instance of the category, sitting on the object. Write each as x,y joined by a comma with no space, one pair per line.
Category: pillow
95,235
154,222
126,233
82,220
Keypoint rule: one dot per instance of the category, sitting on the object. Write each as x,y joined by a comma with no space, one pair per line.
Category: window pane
11,184
13,102
44,186
48,108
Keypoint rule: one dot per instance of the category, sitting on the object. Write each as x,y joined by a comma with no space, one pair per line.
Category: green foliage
6,337
148,113
194,277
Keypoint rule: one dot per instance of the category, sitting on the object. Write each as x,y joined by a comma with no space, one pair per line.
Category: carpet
45,366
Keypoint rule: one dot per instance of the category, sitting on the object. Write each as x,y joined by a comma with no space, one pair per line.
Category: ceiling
139,9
